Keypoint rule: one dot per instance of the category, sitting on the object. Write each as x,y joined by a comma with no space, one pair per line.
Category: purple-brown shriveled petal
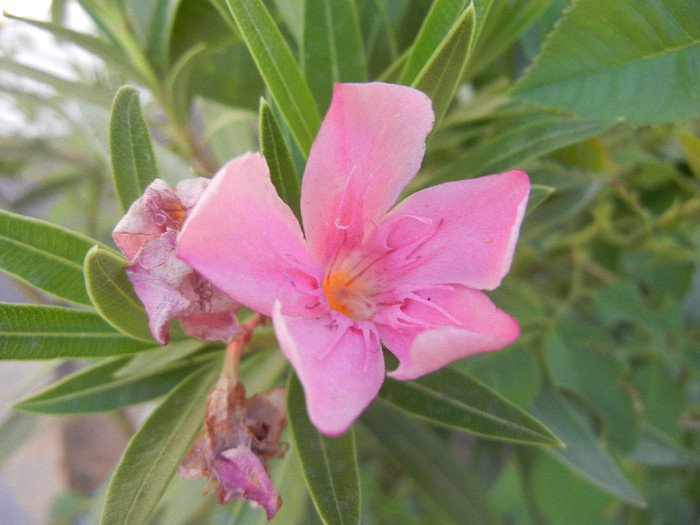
340,365
435,327
242,476
371,143
458,232
246,241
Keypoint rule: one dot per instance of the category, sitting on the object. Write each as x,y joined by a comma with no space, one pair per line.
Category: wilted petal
370,144
339,364
435,327
167,286
241,475
459,232
246,241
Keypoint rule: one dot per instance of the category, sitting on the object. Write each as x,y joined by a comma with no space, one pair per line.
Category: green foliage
130,148
283,173
154,452
599,60
457,400
44,255
604,282
50,332
329,463
112,294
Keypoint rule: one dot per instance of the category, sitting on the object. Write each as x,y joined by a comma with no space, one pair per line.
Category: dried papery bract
241,435
168,287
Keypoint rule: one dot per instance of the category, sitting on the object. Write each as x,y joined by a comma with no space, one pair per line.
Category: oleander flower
363,273
167,286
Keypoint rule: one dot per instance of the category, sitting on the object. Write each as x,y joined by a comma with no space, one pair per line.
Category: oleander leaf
133,161
44,255
113,295
457,400
329,463
31,332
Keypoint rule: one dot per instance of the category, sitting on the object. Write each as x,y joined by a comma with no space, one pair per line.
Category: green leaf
44,255
153,22
330,464
133,163
457,400
155,451
96,389
160,357
660,450
418,450
619,59
538,194
332,49
442,73
283,173
180,79
578,358
584,455
30,331
498,26
15,430
112,293
436,25
278,68
511,148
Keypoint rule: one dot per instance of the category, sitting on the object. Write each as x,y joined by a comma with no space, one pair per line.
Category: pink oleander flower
168,287
363,272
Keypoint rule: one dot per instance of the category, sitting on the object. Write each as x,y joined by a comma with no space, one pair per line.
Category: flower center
348,295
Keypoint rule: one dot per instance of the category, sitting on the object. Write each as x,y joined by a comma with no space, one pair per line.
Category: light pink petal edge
459,232
341,369
371,143
245,239
449,325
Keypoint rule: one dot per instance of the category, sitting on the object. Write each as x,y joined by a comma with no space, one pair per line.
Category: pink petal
435,327
339,364
242,476
246,241
459,232
370,145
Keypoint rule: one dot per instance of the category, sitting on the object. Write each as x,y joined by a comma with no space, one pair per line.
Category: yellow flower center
348,295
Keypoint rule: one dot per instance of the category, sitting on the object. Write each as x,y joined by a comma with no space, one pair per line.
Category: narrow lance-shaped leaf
436,25
96,389
441,75
512,148
451,398
155,451
278,68
619,59
44,255
330,464
583,454
31,332
418,451
112,293
179,81
133,162
283,173
332,49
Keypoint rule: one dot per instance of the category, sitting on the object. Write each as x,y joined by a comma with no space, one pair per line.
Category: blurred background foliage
596,101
